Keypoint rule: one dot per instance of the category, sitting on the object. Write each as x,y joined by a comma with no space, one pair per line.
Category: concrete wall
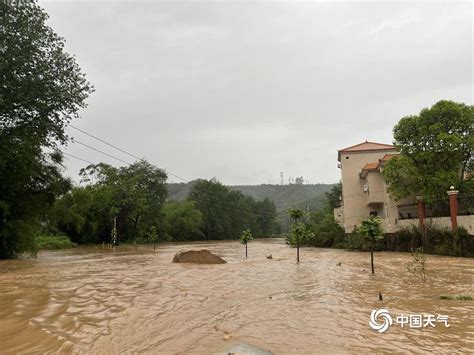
440,222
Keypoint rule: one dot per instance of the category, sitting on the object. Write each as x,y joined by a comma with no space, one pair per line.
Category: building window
374,213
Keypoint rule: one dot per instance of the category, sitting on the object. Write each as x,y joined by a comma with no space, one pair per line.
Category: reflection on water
97,300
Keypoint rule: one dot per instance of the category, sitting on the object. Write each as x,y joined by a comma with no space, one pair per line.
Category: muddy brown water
98,300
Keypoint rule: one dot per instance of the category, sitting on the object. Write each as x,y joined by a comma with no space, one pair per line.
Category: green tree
73,215
226,212
246,237
371,230
152,236
326,231
182,220
296,215
333,197
265,213
134,194
42,89
436,151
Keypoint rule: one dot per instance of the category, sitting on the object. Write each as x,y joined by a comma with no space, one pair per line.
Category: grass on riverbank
52,242
456,297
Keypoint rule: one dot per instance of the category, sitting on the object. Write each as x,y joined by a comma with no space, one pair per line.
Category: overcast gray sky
244,90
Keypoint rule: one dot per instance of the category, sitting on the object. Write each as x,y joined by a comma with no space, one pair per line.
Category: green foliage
134,195
436,149
371,230
53,242
333,197
246,236
42,90
440,241
296,214
327,233
225,212
152,235
321,230
282,197
182,220
299,232
417,265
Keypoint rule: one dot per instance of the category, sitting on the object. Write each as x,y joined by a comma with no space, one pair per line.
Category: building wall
353,196
376,193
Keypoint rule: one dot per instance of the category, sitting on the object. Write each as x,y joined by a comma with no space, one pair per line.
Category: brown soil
198,257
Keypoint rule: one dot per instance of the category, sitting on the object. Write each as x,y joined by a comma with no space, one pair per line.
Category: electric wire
119,149
100,151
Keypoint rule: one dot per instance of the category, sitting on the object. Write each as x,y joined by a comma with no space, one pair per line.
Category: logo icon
385,320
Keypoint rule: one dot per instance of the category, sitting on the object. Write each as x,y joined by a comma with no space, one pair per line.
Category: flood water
99,300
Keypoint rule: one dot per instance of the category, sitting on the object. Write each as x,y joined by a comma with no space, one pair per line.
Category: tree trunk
135,221
297,248
372,259
245,250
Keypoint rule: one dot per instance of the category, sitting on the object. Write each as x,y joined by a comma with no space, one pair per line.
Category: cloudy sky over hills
242,91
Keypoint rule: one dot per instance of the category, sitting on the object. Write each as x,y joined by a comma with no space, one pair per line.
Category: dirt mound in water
198,257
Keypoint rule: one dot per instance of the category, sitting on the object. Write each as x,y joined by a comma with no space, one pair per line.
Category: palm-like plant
296,215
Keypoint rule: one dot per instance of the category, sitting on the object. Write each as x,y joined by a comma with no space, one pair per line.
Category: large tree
182,221
134,195
41,90
436,151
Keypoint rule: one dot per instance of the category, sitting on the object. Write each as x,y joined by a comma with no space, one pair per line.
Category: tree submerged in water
417,265
153,236
298,231
371,229
245,238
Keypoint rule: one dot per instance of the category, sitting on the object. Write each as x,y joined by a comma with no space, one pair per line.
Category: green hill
308,197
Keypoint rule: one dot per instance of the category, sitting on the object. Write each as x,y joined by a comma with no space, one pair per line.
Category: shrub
53,242
440,241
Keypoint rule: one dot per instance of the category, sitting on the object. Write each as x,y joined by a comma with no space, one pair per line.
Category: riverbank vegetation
42,90
136,197
53,242
319,228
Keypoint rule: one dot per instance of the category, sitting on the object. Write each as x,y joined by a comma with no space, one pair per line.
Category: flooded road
97,300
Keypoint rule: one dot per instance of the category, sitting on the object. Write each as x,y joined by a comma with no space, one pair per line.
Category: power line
73,156
103,141
100,151
119,149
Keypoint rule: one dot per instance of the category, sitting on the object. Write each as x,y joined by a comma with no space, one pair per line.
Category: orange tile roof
368,167
364,147
371,166
387,157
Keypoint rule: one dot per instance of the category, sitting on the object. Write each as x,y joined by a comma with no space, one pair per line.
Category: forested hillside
310,196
